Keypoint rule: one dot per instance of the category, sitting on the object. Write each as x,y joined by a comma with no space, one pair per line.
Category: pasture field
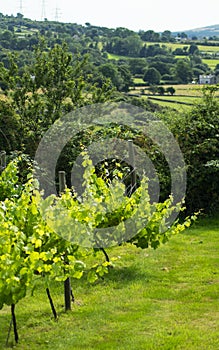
163,299
174,46
187,90
180,99
173,105
211,62
185,96
111,56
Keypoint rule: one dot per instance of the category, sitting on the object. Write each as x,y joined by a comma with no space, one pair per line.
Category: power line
57,14
21,6
43,10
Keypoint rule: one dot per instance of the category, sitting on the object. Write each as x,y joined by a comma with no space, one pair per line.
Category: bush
198,136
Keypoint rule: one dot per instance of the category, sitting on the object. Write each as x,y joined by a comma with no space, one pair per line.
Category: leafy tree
38,94
6,35
137,65
133,45
126,76
152,76
109,70
154,50
183,71
123,32
162,67
193,49
153,89
166,36
128,46
149,35
197,134
170,90
161,90
179,52
182,35
9,126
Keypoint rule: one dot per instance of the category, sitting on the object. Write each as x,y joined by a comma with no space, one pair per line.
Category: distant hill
209,31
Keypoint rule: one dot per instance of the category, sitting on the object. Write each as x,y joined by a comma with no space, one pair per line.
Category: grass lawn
163,299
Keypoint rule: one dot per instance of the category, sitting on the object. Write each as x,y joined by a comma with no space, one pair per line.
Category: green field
211,63
163,299
187,90
174,105
185,96
174,46
111,56
174,99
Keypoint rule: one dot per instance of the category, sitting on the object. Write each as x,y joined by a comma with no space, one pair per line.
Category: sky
157,15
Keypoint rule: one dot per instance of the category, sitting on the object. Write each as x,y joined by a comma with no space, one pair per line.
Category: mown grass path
163,299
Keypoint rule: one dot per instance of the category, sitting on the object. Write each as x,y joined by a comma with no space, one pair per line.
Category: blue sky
157,15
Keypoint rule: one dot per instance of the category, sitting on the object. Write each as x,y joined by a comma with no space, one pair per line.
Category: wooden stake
132,162
67,283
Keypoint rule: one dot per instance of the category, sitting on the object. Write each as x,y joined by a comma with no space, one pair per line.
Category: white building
207,79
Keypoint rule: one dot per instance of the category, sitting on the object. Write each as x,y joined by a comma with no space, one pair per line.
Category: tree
153,89
126,76
193,49
9,127
197,134
109,70
170,90
162,67
156,49
150,35
38,93
166,36
128,46
133,45
152,76
183,71
161,90
137,65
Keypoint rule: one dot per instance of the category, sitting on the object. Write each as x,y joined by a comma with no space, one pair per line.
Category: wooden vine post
67,283
2,160
132,163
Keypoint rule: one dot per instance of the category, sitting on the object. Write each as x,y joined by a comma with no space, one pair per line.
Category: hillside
125,57
209,31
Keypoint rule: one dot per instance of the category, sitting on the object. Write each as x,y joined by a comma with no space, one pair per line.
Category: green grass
174,46
138,81
111,56
182,99
211,63
186,93
173,105
207,48
163,299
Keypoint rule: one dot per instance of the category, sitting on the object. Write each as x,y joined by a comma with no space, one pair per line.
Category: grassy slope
152,299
